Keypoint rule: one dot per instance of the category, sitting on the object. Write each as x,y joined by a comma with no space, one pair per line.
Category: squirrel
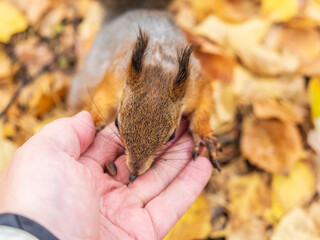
146,78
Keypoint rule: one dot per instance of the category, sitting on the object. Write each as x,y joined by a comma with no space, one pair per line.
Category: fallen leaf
216,63
9,130
195,223
252,229
314,96
37,54
7,150
304,43
314,136
236,11
33,9
248,33
312,10
191,11
313,139
217,66
270,144
49,22
248,87
314,213
88,29
295,189
44,92
225,104
279,11
267,62
266,108
249,196
296,225
11,21
5,66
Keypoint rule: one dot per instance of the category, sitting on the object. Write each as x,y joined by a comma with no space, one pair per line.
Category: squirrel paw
212,145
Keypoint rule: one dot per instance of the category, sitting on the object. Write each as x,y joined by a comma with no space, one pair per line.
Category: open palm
57,178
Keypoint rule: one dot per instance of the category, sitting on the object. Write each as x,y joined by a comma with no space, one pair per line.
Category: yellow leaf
280,10
249,196
195,223
314,95
11,21
7,150
295,189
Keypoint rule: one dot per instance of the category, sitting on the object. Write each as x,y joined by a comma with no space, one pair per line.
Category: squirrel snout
138,167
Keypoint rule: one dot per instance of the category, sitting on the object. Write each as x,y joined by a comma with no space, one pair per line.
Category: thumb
72,135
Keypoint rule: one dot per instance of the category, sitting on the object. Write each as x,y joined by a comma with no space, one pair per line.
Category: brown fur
147,94
148,88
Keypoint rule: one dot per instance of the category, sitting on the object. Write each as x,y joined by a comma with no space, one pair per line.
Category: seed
111,169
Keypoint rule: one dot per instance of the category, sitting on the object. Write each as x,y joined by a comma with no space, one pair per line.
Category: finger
166,209
69,135
106,147
165,170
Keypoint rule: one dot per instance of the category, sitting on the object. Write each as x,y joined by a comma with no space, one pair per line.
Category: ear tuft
139,51
179,84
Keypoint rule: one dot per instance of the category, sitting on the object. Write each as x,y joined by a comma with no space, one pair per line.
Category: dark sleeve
26,224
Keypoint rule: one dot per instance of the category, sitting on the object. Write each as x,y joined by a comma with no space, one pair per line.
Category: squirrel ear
135,65
179,84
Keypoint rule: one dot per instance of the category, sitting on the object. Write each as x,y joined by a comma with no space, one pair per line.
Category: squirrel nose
132,177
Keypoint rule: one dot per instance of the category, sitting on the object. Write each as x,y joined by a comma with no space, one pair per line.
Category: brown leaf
214,61
49,22
268,62
304,43
236,11
34,53
251,229
267,108
45,92
5,66
271,144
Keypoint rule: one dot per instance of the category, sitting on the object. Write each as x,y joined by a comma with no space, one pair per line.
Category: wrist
21,226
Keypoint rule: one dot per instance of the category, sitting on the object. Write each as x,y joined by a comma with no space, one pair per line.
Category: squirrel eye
172,136
116,123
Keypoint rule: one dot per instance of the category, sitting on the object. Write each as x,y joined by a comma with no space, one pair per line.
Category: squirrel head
151,104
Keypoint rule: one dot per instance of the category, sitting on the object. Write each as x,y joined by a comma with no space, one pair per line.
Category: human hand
57,179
